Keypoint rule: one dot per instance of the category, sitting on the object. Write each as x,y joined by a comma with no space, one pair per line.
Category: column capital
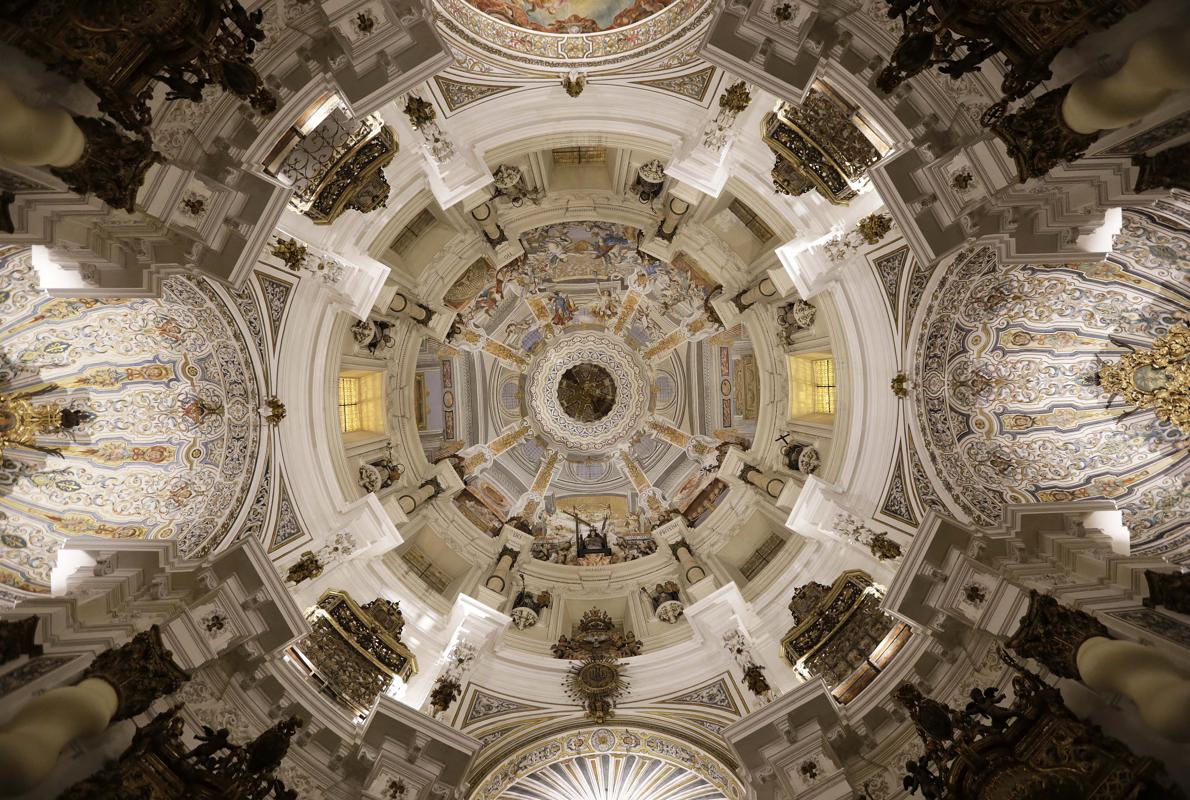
1052,634
140,671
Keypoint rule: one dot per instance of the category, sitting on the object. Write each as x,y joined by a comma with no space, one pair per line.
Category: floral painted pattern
174,445
1005,396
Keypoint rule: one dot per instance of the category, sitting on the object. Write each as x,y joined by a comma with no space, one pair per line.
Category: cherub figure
986,703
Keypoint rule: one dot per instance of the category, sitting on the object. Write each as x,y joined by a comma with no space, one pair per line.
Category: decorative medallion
599,379
596,682
1157,378
587,392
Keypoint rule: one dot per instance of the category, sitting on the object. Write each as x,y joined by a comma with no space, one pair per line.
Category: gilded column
37,136
485,215
764,290
498,580
120,684
675,209
770,483
415,498
1073,644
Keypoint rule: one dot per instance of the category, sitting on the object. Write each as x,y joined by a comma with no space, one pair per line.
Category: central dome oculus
587,392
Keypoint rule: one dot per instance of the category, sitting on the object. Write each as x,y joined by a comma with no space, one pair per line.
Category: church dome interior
594,399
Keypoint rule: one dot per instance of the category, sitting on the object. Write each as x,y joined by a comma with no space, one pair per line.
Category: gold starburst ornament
1157,378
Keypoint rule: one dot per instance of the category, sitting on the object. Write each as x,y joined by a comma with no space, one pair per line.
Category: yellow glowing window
350,418
574,156
824,386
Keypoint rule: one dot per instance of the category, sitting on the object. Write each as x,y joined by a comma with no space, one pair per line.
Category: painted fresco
484,506
478,275
579,273
1005,386
706,501
570,16
587,275
173,446
604,522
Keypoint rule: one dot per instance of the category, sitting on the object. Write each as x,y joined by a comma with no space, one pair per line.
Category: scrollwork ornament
1157,378
444,693
291,252
874,227
419,111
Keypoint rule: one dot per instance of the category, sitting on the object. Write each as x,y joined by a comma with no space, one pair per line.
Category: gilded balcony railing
818,146
355,651
339,165
841,635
